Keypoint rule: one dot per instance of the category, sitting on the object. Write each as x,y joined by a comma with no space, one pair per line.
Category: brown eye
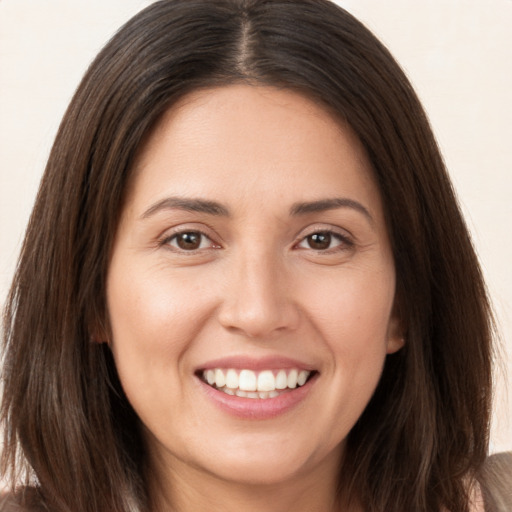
324,241
189,241
319,241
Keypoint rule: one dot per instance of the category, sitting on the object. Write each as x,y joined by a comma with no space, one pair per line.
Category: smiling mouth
255,384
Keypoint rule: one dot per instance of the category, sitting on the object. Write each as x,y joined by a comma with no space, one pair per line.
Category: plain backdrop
457,53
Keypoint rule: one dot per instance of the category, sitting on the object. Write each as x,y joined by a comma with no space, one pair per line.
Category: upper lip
242,362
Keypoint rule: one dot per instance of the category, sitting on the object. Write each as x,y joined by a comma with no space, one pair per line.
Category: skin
256,285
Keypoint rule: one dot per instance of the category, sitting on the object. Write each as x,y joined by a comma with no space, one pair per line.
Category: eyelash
344,241
167,241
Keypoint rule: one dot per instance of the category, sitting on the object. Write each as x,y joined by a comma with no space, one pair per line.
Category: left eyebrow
323,205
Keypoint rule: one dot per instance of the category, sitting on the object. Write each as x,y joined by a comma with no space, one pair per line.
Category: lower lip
258,408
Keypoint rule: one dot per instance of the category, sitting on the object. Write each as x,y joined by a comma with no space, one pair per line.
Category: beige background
458,54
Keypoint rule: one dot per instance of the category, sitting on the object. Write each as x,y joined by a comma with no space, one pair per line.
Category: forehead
252,141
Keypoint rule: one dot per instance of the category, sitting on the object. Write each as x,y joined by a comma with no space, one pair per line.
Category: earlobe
394,344
395,338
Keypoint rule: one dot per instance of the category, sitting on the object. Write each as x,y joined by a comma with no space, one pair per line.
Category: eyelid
325,228
172,233
174,238
347,240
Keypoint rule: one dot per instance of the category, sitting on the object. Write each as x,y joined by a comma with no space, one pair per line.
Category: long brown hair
68,426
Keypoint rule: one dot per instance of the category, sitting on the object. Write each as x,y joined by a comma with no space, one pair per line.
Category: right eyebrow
188,204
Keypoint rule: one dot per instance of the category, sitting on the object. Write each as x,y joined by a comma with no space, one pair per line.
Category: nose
257,300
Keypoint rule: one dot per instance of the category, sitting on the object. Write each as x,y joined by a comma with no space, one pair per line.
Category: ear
395,336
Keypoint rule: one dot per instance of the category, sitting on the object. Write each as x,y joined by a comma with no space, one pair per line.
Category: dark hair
68,426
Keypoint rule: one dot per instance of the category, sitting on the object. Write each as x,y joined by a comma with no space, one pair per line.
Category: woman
246,282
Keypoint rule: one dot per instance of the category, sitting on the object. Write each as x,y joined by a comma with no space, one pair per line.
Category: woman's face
251,259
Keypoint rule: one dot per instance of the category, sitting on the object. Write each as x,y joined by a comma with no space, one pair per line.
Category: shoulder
496,482
477,503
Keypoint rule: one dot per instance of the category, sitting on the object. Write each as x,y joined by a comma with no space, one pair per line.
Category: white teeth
266,381
210,377
220,380
232,379
292,379
281,380
247,380
302,378
251,384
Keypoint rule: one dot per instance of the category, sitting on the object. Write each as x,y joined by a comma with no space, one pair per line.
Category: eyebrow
329,204
188,204
217,209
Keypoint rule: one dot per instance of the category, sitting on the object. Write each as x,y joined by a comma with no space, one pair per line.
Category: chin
267,462
258,472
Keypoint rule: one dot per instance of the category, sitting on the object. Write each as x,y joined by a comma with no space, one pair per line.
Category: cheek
153,319
352,315
352,311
